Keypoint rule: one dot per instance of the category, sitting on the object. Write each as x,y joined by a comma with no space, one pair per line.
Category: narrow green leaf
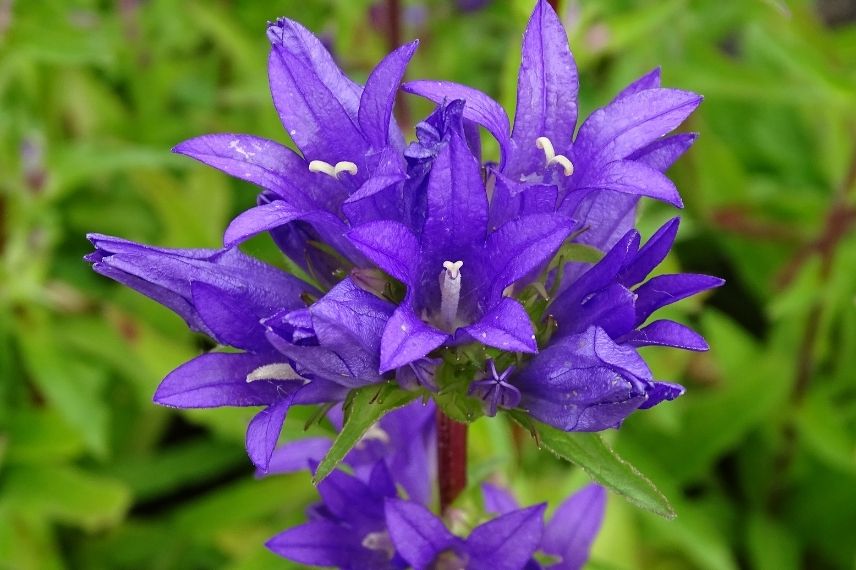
364,407
589,451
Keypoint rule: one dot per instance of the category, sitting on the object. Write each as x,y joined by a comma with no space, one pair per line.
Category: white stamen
552,158
275,371
331,170
450,292
376,432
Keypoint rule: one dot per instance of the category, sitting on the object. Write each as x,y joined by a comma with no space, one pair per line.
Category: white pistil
275,371
331,170
552,158
450,292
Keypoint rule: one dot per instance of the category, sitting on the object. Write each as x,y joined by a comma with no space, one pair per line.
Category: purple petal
498,500
378,97
630,123
508,541
584,382
661,392
611,308
217,379
263,433
263,162
602,274
547,88
506,326
267,217
319,543
228,318
457,201
662,154
479,108
522,245
419,536
348,317
667,333
629,177
406,339
574,526
651,254
664,290
511,200
650,80
391,245
297,455
607,216
351,500
312,97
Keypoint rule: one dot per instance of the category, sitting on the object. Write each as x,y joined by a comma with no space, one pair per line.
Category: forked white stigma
450,292
552,158
331,170
453,267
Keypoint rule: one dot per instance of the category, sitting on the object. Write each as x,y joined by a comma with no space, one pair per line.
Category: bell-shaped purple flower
618,154
455,267
350,148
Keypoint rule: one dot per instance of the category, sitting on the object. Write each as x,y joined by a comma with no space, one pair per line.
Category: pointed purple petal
521,245
378,97
319,543
312,97
650,80
547,88
662,392
217,379
508,541
406,339
498,500
263,432
630,123
607,216
630,177
391,245
457,201
574,526
667,333
262,162
651,254
228,318
664,290
506,326
479,108
662,154
419,536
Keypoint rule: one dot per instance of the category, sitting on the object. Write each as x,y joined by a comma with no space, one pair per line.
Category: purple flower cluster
427,263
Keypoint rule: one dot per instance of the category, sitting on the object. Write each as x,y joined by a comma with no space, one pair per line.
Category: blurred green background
759,458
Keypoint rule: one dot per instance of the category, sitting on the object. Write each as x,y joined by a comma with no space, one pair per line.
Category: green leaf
363,408
66,494
589,451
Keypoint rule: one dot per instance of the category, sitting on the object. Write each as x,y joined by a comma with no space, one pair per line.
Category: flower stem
451,459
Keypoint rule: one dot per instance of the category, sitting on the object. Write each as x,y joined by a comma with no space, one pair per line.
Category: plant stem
451,459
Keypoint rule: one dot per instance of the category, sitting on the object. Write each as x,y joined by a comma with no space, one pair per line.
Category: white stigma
552,158
331,170
450,292
275,371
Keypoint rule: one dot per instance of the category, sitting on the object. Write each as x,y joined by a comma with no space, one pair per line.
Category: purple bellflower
618,154
350,150
455,268
590,377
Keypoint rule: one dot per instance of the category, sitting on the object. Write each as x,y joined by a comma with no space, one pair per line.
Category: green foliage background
759,458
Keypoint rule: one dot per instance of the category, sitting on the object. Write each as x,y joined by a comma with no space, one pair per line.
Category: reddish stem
451,459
